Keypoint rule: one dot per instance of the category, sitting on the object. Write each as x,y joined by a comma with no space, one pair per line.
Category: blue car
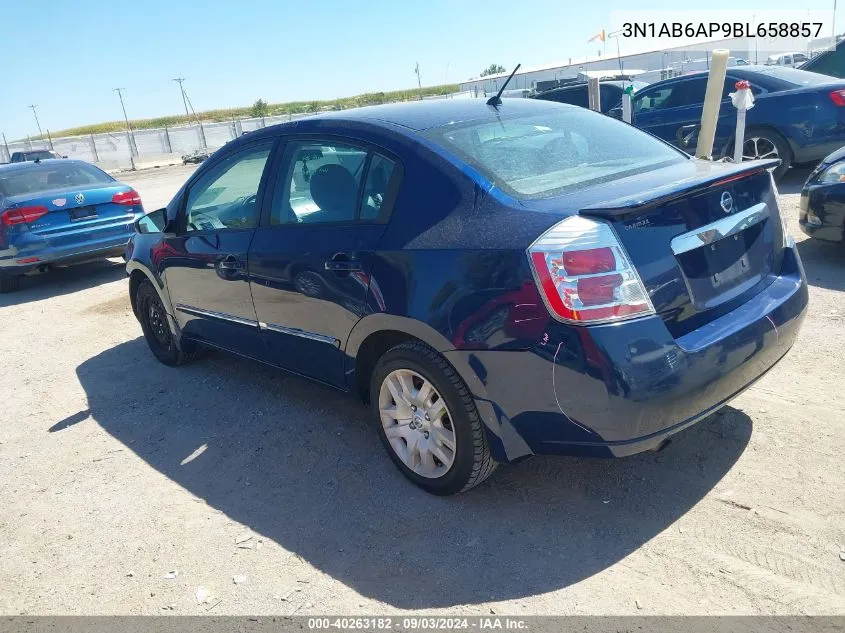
798,116
496,281
58,212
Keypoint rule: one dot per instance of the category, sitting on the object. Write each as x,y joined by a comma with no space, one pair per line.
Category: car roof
8,167
423,115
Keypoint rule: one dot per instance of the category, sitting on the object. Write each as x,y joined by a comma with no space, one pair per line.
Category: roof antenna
497,100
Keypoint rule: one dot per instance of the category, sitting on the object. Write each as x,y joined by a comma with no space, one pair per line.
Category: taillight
585,275
22,215
128,198
838,97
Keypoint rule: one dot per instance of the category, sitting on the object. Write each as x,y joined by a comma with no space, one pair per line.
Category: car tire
10,284
763,143
156,327
460,424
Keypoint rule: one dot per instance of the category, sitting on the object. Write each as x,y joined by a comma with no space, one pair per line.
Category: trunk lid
75,214
704,237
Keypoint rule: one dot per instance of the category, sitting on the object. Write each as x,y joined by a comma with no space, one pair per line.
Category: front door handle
230,262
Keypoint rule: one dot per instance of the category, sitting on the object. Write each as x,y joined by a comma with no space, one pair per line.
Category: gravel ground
116,471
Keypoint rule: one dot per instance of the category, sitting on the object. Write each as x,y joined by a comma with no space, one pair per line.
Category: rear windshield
50,176
39,154
793,76
555,152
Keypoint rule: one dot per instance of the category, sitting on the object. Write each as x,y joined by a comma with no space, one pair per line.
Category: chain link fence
120,150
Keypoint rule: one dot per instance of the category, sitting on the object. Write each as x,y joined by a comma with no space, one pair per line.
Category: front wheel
156,327
428,421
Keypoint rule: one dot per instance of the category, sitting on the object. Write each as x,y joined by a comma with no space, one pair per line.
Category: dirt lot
115,471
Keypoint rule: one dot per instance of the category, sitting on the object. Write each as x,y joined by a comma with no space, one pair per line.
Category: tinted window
322,181
654,100
831,63
561,150
687,93
573,96
50,176
379,175
225,197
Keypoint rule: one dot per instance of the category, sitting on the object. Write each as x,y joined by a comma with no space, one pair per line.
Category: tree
259,108
492,69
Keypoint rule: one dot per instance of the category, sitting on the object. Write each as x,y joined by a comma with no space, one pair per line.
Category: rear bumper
111,244
616,390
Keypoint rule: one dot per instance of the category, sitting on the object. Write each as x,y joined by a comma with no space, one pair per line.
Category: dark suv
576,94
33,154
495,280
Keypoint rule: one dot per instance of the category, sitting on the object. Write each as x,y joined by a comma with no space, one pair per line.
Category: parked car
830,62
58,212
33,154
610,94
822,207
791,60
798,116
196,156
496,282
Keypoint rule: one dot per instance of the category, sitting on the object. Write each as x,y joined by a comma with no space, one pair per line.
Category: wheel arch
375,334
728,148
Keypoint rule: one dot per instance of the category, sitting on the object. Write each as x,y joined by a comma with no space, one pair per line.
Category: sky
66,56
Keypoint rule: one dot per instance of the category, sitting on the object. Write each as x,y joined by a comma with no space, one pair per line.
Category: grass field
292,107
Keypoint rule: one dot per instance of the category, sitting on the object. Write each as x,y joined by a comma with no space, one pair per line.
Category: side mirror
153,222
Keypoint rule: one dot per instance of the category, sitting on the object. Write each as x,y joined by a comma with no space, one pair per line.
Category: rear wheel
428,421
761,144
10,284
156,327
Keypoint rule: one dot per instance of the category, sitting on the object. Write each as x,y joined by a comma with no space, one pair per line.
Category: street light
40,133
130,135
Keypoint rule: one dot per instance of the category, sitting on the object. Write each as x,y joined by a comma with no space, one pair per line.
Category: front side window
225,197
654,100
557,151
321,183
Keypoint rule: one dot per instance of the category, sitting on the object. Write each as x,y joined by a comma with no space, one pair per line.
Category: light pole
419,81
130,135
37,122
179,81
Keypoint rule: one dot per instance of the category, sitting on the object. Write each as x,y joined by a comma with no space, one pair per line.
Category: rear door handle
341,265
230,262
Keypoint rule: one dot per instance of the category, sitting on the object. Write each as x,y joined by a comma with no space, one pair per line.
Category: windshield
558,151
50,176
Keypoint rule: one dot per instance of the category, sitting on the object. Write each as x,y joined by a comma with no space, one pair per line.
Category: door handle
230,262
344,266
341,262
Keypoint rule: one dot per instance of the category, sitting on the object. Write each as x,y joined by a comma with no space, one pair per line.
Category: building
650,66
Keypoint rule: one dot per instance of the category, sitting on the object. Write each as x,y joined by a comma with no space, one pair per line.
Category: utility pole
833,29
419,81
6,144
37,122
179,81
130,135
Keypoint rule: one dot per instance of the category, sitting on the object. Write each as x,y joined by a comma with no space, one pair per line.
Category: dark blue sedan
798,116
58,212
496,282
822,209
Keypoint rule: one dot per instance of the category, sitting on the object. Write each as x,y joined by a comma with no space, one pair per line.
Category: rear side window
561,150
47,177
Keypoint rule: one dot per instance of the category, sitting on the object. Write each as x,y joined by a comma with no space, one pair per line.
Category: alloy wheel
758,147
417,423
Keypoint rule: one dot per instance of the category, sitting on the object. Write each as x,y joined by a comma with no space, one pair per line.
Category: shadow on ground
61,281
824,263
301,465
794,179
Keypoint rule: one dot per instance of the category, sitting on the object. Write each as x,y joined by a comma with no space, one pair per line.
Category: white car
787,59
